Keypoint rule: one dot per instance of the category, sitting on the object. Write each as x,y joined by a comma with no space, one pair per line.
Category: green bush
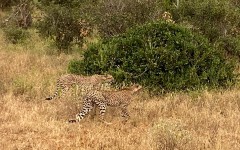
160,56
15,34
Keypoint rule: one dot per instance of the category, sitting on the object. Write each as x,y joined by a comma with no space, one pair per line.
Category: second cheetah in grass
103,99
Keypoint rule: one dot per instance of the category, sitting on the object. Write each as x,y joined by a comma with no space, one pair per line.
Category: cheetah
65,82
102,99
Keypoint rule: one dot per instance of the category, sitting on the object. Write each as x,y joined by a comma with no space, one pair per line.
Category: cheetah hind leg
125,115
93,112
102,107
64,90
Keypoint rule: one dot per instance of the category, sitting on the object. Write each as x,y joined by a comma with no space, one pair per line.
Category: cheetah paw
72,121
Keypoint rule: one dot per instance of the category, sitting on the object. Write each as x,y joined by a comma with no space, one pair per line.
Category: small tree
218,20
21,15
8,3
115,17
215,19
20,18
64,23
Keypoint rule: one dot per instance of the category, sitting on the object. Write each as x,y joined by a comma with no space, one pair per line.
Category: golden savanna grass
195,120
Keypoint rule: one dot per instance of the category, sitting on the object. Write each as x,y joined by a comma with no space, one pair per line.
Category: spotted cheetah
65,82
103,99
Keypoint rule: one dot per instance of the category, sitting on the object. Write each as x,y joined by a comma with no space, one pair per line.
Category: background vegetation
195,47
37,45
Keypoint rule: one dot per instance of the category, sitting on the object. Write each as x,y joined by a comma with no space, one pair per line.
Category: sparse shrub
8,3
158,55
212,18
115,17
168,134
16,34
20,15
21,86
219,20
64,23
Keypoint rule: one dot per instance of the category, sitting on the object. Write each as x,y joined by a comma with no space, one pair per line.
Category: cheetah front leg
56,93
93,112
87,107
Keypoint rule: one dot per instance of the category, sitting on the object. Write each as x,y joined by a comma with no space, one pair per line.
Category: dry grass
197,120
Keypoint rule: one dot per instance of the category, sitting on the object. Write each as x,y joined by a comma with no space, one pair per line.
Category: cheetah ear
108,76
137,87
105,75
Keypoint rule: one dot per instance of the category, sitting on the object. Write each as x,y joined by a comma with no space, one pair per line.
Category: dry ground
195,120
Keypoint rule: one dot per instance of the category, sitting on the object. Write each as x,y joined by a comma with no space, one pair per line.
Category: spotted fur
85,83
103,99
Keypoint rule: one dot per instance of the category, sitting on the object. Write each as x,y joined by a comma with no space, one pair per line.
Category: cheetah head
136,87
107,78
133,88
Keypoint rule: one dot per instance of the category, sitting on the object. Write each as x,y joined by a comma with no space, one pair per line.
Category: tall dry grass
196,120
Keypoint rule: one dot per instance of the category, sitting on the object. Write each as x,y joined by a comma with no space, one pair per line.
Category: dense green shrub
160,56
15,34
230,46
